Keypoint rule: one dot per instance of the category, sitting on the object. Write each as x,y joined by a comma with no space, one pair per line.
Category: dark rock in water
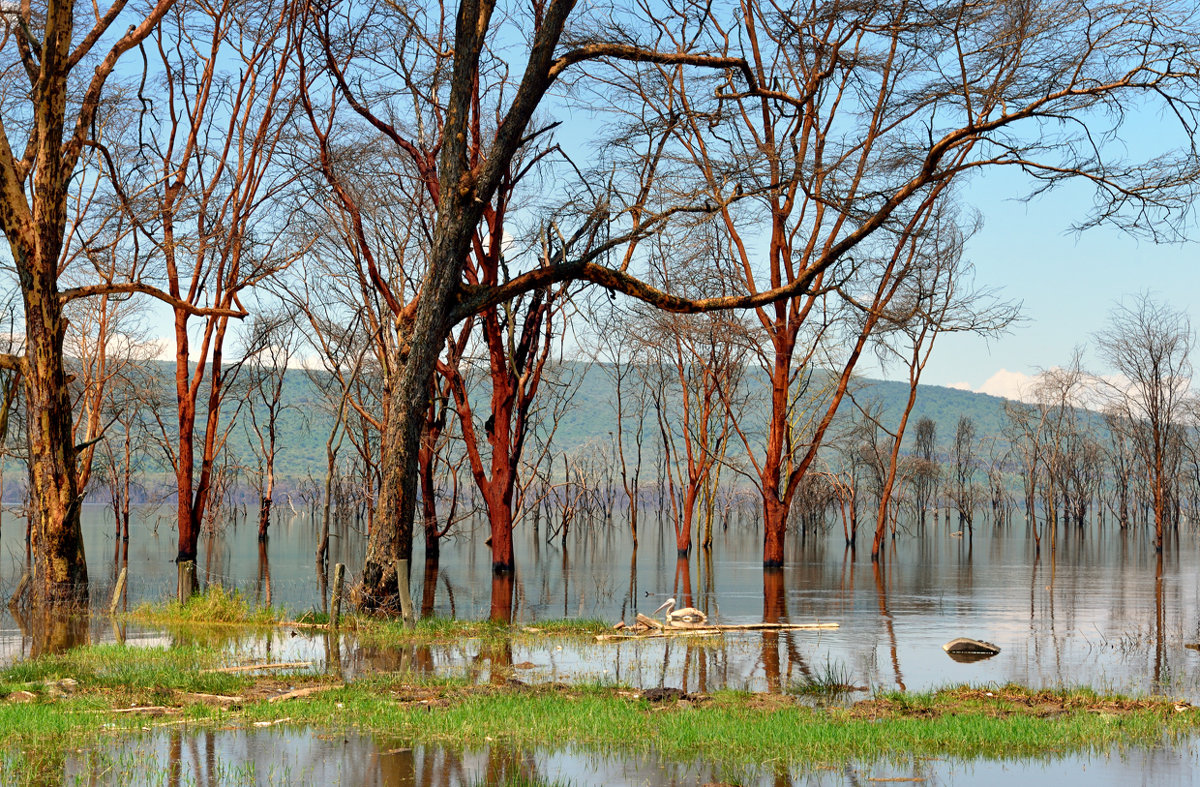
965,649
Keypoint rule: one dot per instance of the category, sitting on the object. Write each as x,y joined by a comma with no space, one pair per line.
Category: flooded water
282,755
1098,610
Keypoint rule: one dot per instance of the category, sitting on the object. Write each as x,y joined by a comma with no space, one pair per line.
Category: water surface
283,755
1098,610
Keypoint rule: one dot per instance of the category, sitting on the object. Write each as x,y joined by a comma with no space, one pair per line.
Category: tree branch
75,293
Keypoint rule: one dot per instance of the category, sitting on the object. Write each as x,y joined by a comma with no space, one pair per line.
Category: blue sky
1067,282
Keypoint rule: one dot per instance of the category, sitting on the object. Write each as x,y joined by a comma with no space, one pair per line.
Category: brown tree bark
922,128
34,179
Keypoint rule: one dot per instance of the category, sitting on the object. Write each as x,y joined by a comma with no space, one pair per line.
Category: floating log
252,667
695,629
648,622
219,699
291,695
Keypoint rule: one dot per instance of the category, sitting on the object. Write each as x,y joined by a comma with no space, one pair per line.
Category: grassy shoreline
86,694
52,705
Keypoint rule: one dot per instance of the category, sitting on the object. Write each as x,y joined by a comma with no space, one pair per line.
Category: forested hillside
589,416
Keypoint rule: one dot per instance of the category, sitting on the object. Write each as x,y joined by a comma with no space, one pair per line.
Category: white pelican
684,615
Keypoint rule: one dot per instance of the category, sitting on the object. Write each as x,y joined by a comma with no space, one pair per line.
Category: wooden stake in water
335,606
186,584
406,607
116,599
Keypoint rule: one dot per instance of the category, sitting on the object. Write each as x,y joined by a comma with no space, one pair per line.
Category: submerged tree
1149,345
852,122
926,469
868,113
963,455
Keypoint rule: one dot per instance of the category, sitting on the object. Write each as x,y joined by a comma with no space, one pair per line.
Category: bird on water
682,615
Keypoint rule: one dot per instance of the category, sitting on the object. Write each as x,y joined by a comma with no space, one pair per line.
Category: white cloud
1009,385
961,386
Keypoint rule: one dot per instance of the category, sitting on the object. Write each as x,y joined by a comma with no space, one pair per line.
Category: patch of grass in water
437,629
832,681
738,728
110,667
215,605
521,780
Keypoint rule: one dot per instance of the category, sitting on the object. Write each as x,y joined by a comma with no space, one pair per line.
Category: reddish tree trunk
683,535
503,590
500,517
775,514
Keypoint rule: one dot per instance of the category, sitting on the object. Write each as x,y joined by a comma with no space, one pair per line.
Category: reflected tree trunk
1159,620
881,592
264,573
504,586
683,583
429,587
774,611
54,632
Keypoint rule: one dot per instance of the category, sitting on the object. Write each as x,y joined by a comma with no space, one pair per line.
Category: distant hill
588,417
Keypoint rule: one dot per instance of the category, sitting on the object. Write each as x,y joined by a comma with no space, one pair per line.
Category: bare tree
1149,344
272,344
853,121
926,468
64,59
963,456
624,365
937,297
880,107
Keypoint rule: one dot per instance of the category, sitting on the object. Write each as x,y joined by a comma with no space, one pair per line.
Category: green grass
105,668
433,630
736,728
731,729
214,606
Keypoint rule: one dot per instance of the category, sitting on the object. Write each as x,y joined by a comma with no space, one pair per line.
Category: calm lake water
1098,610
283,756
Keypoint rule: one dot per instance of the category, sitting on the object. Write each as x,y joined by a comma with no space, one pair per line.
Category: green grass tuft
832,680
215,605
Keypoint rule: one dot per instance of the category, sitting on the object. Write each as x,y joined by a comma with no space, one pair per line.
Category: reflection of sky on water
1086,614
283,755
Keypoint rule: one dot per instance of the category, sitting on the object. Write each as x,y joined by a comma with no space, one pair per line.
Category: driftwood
648,622
252,667
654,629
291,695
220,699
152,709
284,720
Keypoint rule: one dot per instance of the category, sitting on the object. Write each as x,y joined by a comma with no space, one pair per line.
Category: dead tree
1149,345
